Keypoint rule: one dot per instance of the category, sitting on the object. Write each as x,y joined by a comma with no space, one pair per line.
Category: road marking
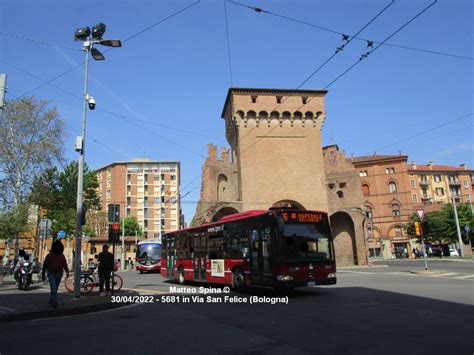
356,272
464,277
445,274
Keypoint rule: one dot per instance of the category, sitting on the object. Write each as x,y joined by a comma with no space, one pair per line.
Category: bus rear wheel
181,279
238,278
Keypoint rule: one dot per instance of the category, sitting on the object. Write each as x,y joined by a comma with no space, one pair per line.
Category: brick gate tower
277,160
275,137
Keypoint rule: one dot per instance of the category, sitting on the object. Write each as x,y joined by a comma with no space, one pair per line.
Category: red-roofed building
437,184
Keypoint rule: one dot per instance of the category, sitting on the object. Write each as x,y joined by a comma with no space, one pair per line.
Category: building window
173,177
398,230
392,187
365,190
439,191
278,99
437,178
340,194
466,184
412,183
389,170
304,100
368,211
107,194
414,198
363,173
468,197
254,99
395,210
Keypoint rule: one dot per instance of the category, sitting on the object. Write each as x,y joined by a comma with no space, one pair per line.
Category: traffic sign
61,234
421,214
467,228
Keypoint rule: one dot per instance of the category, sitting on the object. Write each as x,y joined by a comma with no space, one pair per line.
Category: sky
161,95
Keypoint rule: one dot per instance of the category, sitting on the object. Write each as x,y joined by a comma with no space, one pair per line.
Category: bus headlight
284,278
331,275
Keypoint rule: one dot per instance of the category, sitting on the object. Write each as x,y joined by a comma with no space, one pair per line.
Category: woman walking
55,263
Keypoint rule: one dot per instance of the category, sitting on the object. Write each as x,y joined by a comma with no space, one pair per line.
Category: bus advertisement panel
148,256
277,248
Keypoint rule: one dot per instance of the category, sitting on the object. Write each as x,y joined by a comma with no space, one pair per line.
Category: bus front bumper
155,267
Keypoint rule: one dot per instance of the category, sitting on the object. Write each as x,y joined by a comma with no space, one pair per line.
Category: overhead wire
348,40
424,132
228,43
260,10
106,51
38,41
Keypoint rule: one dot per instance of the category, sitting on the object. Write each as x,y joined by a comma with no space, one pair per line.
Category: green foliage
131,226
56,193
440,226
32,140
14,222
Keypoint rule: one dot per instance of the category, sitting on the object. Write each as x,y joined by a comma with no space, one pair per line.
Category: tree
440,226
31,133
97,224
131,226
56,193
32,140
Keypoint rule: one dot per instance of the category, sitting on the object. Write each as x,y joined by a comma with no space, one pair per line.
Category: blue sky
171,80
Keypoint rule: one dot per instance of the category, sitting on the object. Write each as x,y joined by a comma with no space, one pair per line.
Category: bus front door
199,258
261,257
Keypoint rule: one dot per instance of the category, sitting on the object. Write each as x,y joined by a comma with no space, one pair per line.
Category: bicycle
89,281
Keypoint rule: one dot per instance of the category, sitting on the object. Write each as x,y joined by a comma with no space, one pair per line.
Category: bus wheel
238,279
181,280
141,272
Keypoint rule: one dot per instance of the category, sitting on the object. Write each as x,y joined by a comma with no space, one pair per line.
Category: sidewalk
18,305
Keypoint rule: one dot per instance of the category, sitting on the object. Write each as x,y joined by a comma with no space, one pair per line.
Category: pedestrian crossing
435,274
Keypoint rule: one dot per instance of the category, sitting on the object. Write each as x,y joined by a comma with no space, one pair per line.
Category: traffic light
418,228
114,233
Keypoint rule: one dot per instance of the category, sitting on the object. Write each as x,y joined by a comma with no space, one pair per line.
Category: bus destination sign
302,217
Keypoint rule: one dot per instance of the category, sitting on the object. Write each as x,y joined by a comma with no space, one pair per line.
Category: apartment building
388,202
436,184
145,189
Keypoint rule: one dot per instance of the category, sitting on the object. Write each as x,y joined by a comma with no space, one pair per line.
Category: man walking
106,264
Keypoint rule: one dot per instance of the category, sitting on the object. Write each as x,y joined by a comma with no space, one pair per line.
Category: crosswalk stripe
445,274
464,277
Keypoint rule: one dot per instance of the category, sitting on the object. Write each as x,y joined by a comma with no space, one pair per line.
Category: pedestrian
130,263
106,264
55,263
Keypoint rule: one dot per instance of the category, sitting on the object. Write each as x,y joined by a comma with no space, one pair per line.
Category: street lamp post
458,228
84,34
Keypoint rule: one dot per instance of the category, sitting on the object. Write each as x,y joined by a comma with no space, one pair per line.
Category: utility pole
3,90
458,228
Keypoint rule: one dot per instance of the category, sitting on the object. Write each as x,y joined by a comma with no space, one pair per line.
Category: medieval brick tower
277,160
275,136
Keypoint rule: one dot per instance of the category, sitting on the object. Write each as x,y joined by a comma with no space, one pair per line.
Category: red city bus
278,248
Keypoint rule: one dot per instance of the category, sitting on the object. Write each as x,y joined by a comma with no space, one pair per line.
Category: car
453,252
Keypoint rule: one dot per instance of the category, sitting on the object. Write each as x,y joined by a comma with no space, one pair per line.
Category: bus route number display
302,217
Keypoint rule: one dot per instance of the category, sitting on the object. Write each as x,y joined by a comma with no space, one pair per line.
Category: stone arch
240,114
263,115
286,115
297,115
223,190
275,115
224,211
309,115
251,115
288,204
344,239
395,230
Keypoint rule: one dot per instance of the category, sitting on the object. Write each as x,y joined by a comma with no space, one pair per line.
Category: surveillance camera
91,103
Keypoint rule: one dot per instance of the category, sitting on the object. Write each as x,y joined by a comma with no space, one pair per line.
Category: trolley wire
260,10
364,56
109,49
228,43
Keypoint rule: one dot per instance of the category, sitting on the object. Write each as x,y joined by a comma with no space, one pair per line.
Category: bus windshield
306,241
149,251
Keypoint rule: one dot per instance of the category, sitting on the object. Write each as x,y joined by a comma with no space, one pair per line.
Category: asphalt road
383,310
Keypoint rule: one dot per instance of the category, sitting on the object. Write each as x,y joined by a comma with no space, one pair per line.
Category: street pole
424,250
458,229
373,236
80,182
122,262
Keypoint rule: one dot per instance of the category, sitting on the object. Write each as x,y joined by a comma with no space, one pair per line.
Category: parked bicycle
90,280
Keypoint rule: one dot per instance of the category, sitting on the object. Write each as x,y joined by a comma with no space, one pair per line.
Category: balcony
424,182
454,183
